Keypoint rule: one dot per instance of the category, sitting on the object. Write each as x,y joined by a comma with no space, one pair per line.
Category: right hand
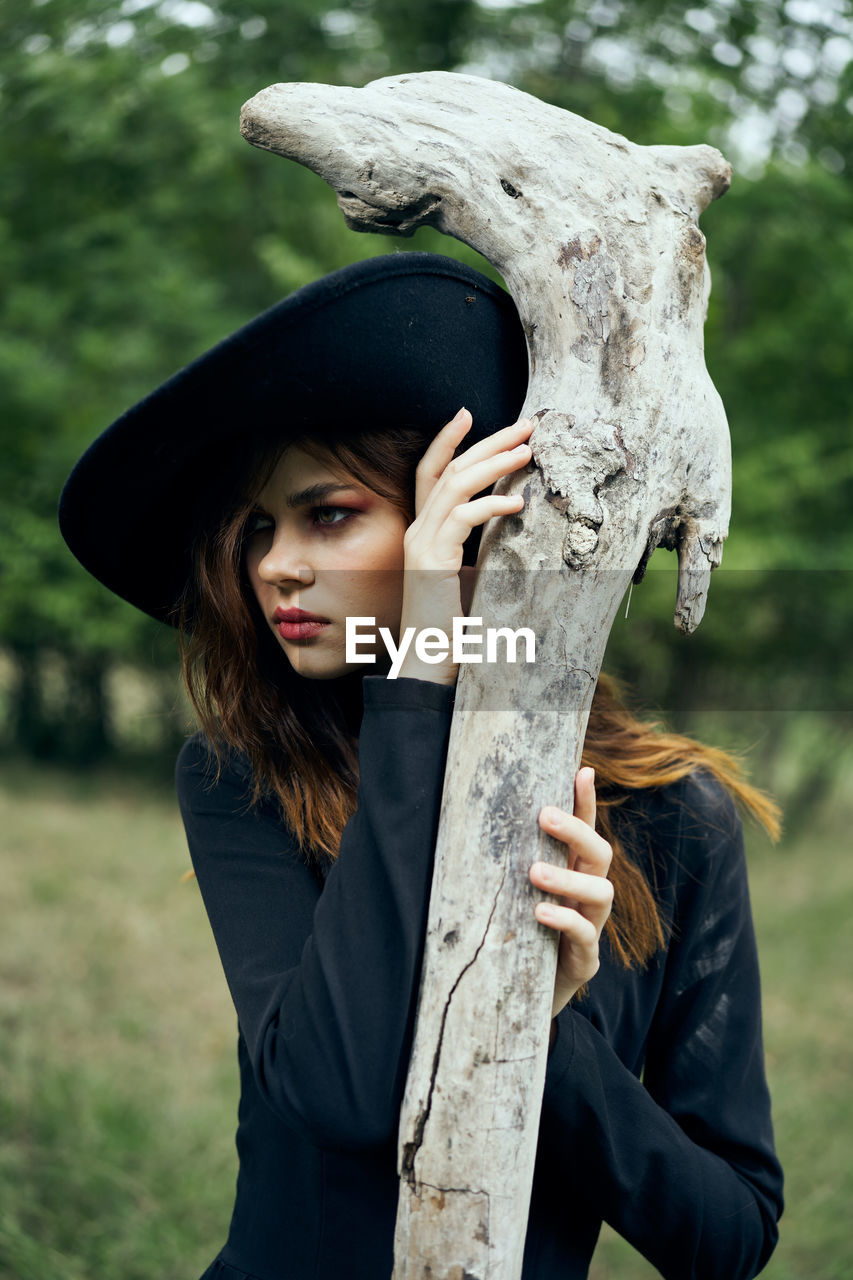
445,516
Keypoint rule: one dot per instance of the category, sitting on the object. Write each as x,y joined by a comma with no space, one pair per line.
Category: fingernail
459,413
550,816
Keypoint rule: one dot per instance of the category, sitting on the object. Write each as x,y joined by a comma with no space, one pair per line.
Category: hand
583,884
445,515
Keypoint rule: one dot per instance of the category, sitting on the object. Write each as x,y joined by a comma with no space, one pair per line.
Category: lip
298,624
296,615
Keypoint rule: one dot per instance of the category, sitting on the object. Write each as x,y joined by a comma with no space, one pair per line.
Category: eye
257,522
318,512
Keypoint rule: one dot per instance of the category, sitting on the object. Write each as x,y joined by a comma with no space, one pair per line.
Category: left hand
583,884
447,511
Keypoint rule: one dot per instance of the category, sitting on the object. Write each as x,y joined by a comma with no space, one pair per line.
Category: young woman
299,475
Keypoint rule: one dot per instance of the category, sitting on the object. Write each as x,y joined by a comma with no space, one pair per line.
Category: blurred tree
137,228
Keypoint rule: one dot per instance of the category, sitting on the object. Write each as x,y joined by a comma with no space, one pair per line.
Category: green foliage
137,228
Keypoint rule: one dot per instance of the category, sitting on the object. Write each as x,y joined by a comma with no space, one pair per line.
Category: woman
299,467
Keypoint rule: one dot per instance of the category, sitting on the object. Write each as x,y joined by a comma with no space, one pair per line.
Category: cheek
373,572
375,549
391,555
392,552
385,583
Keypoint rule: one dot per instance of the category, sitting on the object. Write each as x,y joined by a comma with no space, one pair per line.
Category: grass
117,1062
118,1083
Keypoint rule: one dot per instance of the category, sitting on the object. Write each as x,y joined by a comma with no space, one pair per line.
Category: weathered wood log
598,242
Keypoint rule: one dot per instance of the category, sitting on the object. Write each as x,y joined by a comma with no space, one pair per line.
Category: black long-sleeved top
323,968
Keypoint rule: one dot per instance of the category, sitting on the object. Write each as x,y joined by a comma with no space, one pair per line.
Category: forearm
691,1213
325,993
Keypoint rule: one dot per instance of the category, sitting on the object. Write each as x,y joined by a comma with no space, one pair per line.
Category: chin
314,674
312,671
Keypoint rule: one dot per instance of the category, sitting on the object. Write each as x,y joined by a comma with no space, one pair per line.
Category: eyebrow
316,493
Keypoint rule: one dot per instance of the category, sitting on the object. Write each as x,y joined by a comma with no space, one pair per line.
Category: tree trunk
598,242
30,732
86,722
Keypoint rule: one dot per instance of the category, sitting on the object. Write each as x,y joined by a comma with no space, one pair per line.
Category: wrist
411,668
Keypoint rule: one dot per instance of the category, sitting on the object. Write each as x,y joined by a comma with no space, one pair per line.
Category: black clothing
324,968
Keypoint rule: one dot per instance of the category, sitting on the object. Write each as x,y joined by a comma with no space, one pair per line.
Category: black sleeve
683,1165
324,978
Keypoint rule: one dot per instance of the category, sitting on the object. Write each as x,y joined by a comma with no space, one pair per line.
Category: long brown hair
303,747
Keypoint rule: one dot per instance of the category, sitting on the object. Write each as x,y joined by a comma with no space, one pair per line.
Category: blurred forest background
137,228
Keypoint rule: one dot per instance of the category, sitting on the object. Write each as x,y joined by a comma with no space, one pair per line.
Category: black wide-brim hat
402,340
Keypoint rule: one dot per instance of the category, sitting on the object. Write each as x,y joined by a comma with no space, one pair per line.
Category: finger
459,482
447,439
578,956
590,851
585,796
437,543
438,455
581,932
591,895
498,443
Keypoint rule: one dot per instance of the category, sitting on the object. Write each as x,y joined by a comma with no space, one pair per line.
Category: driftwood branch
599,244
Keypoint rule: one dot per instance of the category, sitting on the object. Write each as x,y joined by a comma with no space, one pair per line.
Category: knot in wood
577,461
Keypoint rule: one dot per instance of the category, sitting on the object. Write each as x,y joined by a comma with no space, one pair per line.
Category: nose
285,562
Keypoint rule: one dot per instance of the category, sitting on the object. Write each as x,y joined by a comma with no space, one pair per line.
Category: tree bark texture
598,242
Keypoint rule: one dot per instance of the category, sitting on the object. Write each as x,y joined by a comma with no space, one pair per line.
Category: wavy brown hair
300,736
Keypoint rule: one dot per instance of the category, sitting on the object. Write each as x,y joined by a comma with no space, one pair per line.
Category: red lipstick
298,624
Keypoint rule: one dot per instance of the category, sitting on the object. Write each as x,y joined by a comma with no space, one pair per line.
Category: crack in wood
411,1149
462,1191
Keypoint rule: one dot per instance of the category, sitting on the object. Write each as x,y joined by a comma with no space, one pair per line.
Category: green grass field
118,1086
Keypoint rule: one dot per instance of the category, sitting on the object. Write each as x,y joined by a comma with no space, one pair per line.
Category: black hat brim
403,339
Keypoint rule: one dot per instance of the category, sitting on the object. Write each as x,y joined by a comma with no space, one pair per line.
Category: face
321,542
